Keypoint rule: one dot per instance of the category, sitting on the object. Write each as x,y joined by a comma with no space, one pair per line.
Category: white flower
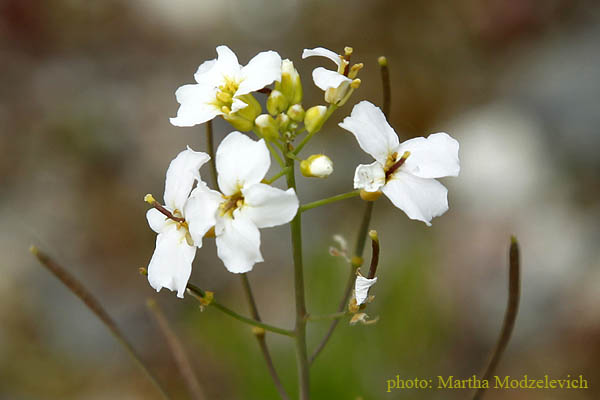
222,84
336,84
244,204
404,172
171,263
361,288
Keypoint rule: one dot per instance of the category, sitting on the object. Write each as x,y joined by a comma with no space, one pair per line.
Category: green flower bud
267,127
276,103
316,166
243,120
283,121
239,123
296,112
314,117
290,84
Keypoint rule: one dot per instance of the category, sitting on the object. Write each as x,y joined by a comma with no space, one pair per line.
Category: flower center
391,165
225,93
230,204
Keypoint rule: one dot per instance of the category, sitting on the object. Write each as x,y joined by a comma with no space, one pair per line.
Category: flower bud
296,112
267,127
239,123
316,166
243,119
283,121
290,84
314,117
276,103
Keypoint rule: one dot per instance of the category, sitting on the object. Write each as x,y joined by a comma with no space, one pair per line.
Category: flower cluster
245,201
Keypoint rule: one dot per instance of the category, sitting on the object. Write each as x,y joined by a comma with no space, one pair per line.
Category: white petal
420,198
361,288
156,220
434,157
183,171
322,52
195,105
171,263
227,63
241,162
325,79
369,177
262,70
207,74
375,136
237,105
238,243
201,210
267,206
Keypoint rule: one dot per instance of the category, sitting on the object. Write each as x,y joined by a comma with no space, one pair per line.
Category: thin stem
356,263
510,316
330,110
277,176
95,307
328,200
179,354
336,315
385,81
199,294
275,155
211,152
260,337
300,329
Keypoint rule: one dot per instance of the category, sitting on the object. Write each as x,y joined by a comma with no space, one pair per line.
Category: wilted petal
171,263
375,136
267,206
361,288
325,78
420,198
241,162
369,177
181,174
201,210
156,220
238,243
262,70
433,157
322,52
195,105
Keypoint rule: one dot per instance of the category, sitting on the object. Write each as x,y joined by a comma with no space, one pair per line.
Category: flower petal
238,243
322,52
267,206
171,263
241,162
156,220
375,136
433,157
369,177
262,70
181,174
227,64
326,79
361,288
207,74
420,198
195,105
201,210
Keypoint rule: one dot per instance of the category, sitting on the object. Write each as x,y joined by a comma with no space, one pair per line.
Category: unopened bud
314,117
283,121
370,196
267,127
296,112
276,103
317,166
290,84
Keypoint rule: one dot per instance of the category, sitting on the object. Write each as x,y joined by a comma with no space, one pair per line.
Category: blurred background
87,90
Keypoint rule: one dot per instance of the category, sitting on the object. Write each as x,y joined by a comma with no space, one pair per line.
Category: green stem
199,294
336,315
275,155
300,329
356,263
260,337
330,110
277,176
328,200
211,152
